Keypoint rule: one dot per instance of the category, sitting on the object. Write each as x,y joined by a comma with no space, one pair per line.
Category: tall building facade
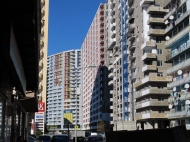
177,30
43,44
96,99
63,77
148,66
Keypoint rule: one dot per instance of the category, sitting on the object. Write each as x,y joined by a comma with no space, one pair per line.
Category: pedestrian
19,139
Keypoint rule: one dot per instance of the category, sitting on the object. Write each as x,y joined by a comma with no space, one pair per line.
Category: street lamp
77,92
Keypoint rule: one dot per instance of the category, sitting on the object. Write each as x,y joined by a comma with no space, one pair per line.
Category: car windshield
44,138
60,139
94,139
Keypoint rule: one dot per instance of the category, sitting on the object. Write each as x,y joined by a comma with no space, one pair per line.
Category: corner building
177,31
147,63
63,105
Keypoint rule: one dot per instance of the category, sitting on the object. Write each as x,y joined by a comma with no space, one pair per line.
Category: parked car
95,138
79,139
44,138
32,139
60,138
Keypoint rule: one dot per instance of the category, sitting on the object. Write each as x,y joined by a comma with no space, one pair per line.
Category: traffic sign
76,127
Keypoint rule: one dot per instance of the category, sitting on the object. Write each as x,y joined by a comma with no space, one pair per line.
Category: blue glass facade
124,47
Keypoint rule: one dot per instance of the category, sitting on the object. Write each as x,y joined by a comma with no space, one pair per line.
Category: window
160,99
160,74
159,63
161,111
159,51
158,39
160,87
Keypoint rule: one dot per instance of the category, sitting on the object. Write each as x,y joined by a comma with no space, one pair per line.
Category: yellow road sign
76,127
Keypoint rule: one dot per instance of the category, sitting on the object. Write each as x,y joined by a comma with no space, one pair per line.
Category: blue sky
69,21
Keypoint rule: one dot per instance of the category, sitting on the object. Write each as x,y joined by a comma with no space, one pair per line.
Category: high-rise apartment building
177,35
63,78
147,64
116,48
96,98
43,43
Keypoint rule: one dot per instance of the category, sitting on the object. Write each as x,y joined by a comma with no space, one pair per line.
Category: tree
38,133
101,126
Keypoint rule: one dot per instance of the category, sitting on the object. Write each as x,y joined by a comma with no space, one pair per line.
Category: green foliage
38,133
101,126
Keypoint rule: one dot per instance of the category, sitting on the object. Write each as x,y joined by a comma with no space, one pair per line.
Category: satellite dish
187,102
186,86
166,22
167,38
179,72
174,89
170,106
171,17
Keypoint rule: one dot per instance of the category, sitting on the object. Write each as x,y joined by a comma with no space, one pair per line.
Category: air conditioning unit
167,38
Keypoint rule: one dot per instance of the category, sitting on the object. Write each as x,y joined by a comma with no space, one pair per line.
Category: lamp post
77,93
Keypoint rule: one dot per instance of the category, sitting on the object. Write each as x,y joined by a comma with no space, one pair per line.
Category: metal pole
68,134
76,104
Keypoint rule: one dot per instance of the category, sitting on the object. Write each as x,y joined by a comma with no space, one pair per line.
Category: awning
29,104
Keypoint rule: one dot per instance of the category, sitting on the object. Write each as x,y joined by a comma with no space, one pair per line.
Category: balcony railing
178,36
144,2
179,66
179,82
149,56
148,45
153,79
157,32
156,9
149,67
155,20
150,115
153,92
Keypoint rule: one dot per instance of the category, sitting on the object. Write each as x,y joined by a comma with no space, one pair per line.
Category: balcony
43,11
133,76
158,79
145,2
113,33
179,114
178,36
151,103
110,67
132,46
113,26
112,92
132,56
131,27
133,66
131,18
149,68
41,64
147,45
179,66
110,75
111,43
156,32
155,21
169,13
131,8
178,82
157,10
131,37
152,91
111,82
112,5
41,54
148,56
111,107
40,75
112,19
42,1
41,43
150,115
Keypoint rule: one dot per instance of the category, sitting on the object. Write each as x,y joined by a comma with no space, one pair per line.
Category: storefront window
1,118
